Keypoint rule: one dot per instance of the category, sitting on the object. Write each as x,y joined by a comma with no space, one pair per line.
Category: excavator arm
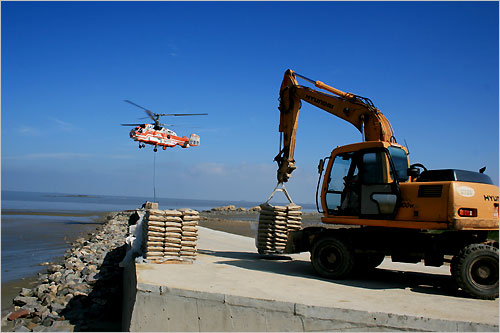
357,110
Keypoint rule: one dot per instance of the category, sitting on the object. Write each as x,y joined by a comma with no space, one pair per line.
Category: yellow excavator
387,206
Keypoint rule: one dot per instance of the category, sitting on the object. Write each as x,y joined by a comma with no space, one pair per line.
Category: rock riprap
275,223
83,293
170,235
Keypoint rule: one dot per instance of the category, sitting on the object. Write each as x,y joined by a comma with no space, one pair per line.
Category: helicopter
158,135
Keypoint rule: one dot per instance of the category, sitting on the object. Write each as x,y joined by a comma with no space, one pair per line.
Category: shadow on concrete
378,278
244,255
101,309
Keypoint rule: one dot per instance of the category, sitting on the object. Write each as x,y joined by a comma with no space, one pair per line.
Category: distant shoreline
71,196
50,213
123,201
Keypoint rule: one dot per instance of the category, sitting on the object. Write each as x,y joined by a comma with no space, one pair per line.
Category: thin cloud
173,50
42,156
68,156
120,157
29,131
211,169
63,125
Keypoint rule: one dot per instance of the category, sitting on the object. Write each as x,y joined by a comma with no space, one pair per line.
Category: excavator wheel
332,258
475,270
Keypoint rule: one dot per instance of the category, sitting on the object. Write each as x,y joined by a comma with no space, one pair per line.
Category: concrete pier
232,288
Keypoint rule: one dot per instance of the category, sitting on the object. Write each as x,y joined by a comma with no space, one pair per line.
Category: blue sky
430,67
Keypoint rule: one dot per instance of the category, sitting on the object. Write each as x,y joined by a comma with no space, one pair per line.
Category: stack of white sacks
293,217
189,237
170,234
275,222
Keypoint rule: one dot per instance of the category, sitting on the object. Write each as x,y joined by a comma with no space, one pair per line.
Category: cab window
400,160
340,196
339,171
373,166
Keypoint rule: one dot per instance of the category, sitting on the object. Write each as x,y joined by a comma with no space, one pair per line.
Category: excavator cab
362,180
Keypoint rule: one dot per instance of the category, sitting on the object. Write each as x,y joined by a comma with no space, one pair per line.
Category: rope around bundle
282,189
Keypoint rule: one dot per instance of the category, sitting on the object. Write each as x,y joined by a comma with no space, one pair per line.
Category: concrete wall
159,308
129,295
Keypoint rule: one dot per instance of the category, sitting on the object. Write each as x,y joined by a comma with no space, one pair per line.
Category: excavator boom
357,110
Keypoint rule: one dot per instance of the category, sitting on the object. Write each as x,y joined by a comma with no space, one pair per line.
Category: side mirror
413,172
321,164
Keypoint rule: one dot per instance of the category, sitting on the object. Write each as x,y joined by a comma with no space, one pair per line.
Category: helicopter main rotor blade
183,114
151,115
131,124
130,102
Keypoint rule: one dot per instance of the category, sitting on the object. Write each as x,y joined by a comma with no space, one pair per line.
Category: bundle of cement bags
170,234
189,237
274,224
293,217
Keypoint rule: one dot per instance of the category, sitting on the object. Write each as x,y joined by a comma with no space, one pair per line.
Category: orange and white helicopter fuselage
162,136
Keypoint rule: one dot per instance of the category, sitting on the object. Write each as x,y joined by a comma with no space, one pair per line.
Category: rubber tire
465,269
368,262
331,258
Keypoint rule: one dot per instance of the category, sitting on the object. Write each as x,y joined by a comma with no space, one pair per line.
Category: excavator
376,204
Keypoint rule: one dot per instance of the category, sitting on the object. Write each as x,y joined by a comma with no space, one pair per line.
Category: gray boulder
22,300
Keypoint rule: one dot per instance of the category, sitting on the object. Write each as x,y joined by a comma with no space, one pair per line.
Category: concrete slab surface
228,267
